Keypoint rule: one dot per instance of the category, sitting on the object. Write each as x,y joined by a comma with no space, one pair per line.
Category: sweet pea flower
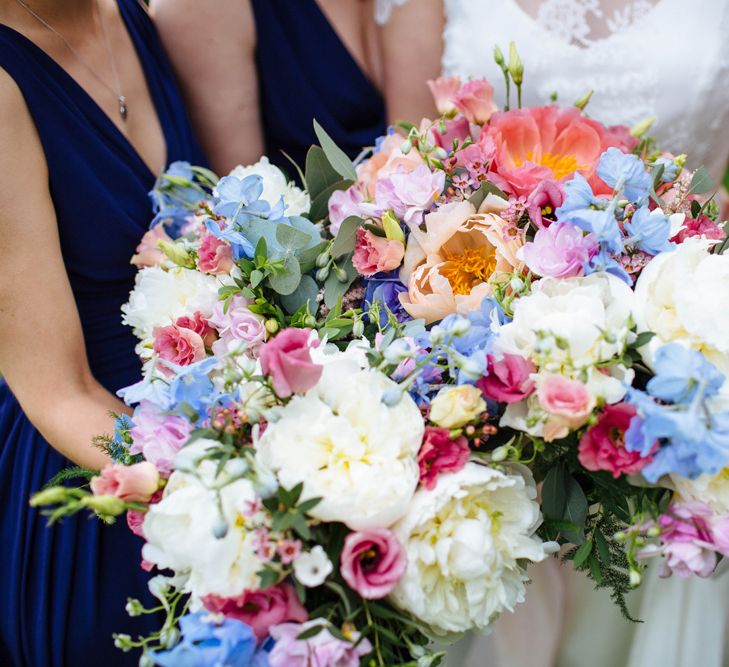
508,380
455,406
148,252
559,251
375,254
214,255
343,204
372,562
440,453
261,609
237,323
179,345
410,193
134,483
475,100
444,89
287,360
544,200
158,436
322,650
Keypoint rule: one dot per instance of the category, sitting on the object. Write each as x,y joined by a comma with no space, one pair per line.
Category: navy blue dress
63,589
305,72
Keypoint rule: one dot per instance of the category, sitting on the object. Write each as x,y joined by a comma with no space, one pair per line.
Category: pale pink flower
372,562
343,204
321,650
545,199
214,255
134,483
569,404
148,252
158,436
475,100
237,323
559,251
409,193
288,550
179,345
444,89
199,324
374,253
287,361
508,379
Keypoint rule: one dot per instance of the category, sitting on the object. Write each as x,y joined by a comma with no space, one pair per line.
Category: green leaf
337,157
334,290
301,527
575,510
582,553
308,504
287,280
320,206
295,494
346,237
256,278
595,572
313,631
701,182
695,209
554,496
643,338
261,251
291,238
268,577
305,293
602,548
486,188
319,173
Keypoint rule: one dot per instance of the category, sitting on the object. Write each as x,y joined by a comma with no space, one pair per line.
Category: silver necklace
116,91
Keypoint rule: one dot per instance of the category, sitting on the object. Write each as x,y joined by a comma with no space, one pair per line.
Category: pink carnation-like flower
373,253
440,454
703,226
200,326
602,447
287,360
157,436
508,379
148,252
179,345
261,609
372,562
444,89
545,199
475,100
237,323
559,251
134,483
214,255
322,650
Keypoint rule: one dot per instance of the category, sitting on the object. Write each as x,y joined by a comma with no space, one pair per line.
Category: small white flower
312,568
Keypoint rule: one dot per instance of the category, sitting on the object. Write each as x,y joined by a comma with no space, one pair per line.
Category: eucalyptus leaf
337,157
320,206
305,293
701,182
307,257
485,189
291,238
287,280
319,173
346,237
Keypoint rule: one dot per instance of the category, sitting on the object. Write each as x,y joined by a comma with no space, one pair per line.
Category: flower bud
146,661
341,274
322,274
392,396
460,327
500,453
392,228
220,527
176,253
272,326
358,329
322,259
499,57
641,127
49,496
310,321
583,101
134,607
635,578
516,284
123,641
655,531
406,146
109,505
169,637
516,67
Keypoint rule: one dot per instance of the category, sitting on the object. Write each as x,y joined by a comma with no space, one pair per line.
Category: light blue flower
603,261
680,373
649,231
172,202
192,386
239,199
239,244
602,224
578,197
624,172
670,169
147,389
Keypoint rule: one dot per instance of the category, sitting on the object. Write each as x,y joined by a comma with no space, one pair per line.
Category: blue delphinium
384,292
191,385
625,173
172,202
210,641
680,373
649,231
240,199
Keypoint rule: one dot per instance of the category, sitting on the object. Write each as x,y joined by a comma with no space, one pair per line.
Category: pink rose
343,204
200,326
261,609
148,252
237,323
602,447
157,436
559,251
545,199
475,100
179,345
372,562
508,379
440,453
287,360
568,402
134,484
444,89
321,650
214,255
373,253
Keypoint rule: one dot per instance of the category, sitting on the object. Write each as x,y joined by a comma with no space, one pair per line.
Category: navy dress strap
305,72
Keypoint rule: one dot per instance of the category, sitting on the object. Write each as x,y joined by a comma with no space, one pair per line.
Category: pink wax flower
287,360
508,379
179,345
134,483
288,550
373,253
703,226
322,650
475,100
372,562
545,199
456,129
237,323
602,447
214,255
409,194
157,436
261,609
200,326
559,251
440,453
148,252
343,204
444,89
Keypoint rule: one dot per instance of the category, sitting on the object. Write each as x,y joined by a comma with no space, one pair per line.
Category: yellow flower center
561,165
467,269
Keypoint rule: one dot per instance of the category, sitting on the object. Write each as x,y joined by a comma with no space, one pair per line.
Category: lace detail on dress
383,9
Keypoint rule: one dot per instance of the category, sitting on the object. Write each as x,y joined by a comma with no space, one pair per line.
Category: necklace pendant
123,109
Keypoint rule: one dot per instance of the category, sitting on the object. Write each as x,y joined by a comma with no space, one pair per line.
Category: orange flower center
467,269
561,165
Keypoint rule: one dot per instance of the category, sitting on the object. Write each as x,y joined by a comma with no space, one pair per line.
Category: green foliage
72,472
486,188
319,174
346,237
337,157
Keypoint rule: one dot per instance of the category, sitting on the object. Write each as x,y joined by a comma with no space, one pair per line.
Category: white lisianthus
159,297
683,296
276,186
347,447
466,541
312,568
710,489
180,531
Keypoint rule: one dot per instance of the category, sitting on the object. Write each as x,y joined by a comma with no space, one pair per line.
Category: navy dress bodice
305,72
63,589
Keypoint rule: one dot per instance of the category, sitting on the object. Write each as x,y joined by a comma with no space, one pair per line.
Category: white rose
683,296
347,447
159,297
464,542
275,186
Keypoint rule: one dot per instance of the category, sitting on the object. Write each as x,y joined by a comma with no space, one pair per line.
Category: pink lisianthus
372,562
602,446
559,251
410,193
508,379
440,453
287,361
200,326
261,609
475,100
544,200
568,403
134,483
322,650
343,204
702,226
157,436
179,345
148,252
444,89
237,323
214,255
373,253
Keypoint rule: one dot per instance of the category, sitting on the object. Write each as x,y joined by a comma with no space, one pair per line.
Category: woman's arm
212,45
42,353
412,47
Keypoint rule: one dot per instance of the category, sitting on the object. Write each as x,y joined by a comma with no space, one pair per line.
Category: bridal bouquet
368,406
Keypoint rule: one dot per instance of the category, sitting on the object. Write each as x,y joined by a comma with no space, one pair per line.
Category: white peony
466,541
347,447
276,186
683,296
180,531
710,489
159,297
